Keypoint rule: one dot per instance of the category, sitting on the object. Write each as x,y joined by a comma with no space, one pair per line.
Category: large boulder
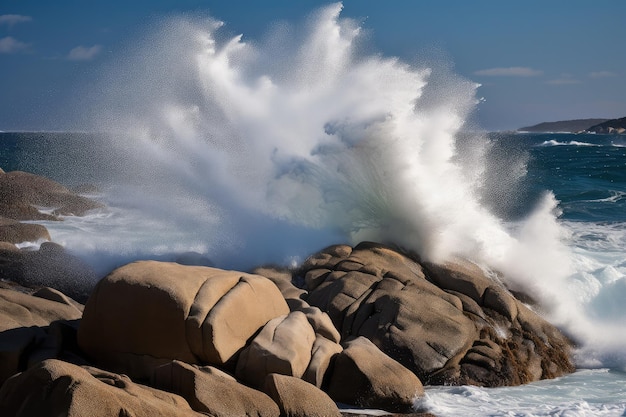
23,194
53,294
297,398
327,338
378,293
55,388
319,321
449,324
211,391
32,328
284,346
18,309
148,313
13,231
366,377
322,354
49,266
300,344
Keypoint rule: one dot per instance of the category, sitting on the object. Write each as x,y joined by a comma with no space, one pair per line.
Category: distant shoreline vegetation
607,126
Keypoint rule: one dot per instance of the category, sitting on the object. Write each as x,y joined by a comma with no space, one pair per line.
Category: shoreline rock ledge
449,324
364,326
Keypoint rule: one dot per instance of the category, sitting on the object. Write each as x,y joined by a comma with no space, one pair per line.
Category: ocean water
243,153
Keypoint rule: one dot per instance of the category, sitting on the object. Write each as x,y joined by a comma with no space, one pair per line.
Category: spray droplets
304,130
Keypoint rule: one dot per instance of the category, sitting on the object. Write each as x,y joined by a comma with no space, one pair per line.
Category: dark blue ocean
585,175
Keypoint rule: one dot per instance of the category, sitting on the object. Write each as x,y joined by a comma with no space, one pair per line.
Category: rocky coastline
361,327
600,126
614,126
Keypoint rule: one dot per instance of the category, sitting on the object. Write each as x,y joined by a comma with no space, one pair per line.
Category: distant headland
616,126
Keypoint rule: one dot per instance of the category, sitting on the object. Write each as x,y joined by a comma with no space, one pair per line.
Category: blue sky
536,60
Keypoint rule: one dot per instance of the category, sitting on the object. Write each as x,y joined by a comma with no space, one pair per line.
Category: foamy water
597,392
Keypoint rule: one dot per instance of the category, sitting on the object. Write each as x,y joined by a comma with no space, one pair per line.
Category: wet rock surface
48,266
12,231
23,195
449,324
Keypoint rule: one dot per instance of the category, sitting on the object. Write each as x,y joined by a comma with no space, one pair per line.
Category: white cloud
509,72
84,53
9,45
13,19
602,74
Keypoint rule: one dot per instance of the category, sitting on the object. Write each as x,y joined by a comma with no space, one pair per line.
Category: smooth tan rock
50,266
23,310
56,295
237,312
21,193
321,323
8,248
55,388
322,353
283,346
211,391
148,313
297,398
24,322
461,276
364,376
13,231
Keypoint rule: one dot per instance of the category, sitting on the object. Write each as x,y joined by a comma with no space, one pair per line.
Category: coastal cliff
563,126
602,126
610,126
